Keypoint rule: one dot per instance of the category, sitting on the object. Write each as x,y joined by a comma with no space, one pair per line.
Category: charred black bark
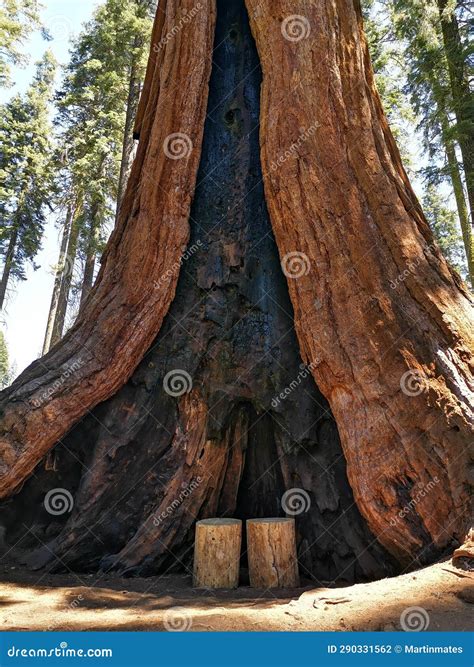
252,425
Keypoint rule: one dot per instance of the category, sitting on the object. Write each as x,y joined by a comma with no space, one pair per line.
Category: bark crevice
250,424
236,333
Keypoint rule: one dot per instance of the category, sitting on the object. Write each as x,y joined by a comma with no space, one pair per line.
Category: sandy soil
31,601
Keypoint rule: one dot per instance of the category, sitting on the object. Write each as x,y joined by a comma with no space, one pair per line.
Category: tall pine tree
96,111
458,53
417,25
17,20
26,182
4,362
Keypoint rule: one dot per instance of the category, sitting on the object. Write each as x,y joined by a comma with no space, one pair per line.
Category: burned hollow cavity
221,417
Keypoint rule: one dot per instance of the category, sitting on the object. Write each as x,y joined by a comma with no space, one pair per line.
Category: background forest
66,141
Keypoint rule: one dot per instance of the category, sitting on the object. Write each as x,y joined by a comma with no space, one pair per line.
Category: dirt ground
32,601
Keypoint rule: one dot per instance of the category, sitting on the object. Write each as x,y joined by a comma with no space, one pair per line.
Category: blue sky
28,303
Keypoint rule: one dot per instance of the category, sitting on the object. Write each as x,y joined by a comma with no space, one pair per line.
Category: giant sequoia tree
271,313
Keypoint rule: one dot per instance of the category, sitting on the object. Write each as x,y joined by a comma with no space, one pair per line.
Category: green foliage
429,63
26,180
444,224
456,27
410,60
17,20
4,362
416,26
386,54
92,105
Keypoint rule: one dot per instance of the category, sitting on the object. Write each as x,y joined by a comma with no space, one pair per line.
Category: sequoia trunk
122,314
222,416
384,323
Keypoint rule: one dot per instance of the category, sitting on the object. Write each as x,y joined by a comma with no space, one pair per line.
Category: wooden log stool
217,553
271,547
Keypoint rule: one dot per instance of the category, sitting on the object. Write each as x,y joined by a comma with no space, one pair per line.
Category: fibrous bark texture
381,322
246,422
377,309
124,312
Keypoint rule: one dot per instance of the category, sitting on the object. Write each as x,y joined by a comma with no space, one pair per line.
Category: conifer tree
17,20
96,110
444,225
26,181
418,27
458,53
4,362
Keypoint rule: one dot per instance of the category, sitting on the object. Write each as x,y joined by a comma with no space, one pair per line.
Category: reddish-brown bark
253,436
375,299
378,299
124,311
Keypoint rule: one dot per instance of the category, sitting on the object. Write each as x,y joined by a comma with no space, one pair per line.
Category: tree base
221,418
